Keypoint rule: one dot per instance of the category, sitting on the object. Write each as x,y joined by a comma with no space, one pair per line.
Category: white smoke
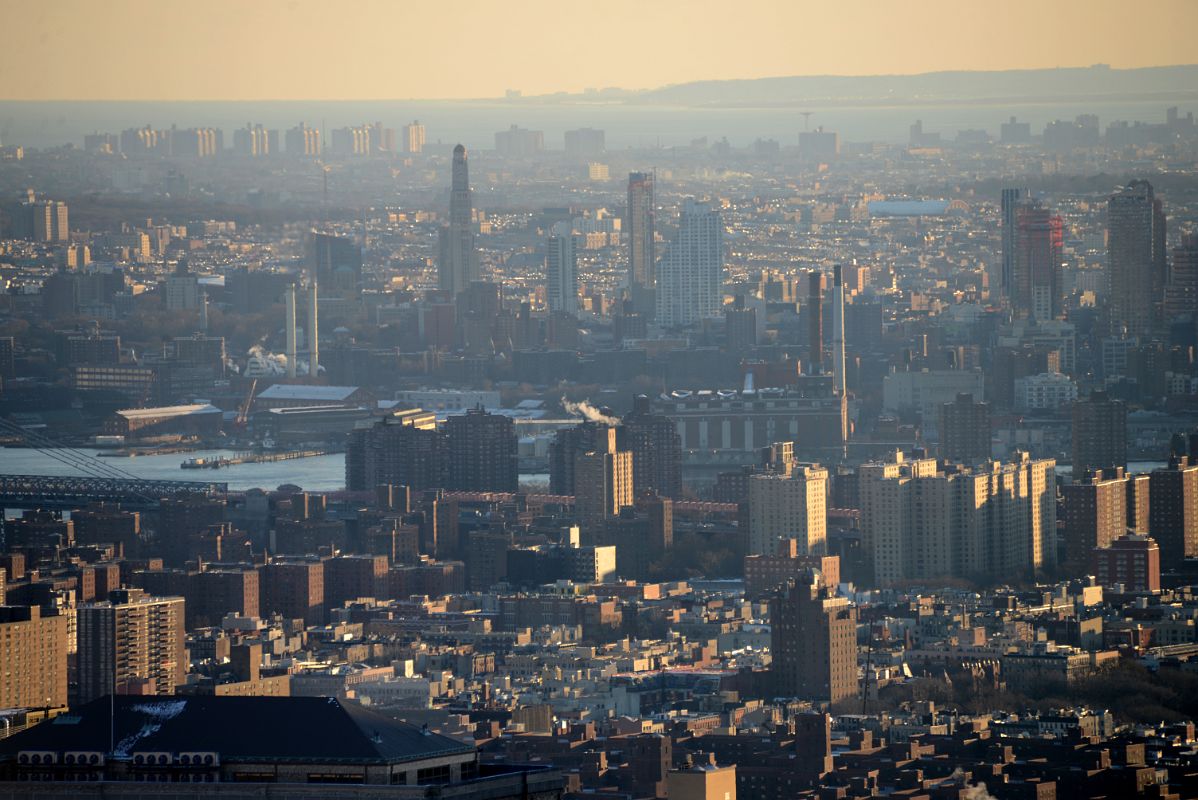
585,409
971,791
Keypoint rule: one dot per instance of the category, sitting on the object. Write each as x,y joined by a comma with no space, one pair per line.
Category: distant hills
1098,82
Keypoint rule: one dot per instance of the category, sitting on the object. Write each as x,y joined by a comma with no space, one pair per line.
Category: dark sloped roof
308,729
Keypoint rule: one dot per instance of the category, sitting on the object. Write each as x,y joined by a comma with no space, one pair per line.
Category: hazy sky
371,49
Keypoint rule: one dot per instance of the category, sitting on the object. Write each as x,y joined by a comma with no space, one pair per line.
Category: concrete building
1095,511
702,782
1173,510
691,275
481,452
561,270
131,643
923,393
33,652
789,506
1136,261
603,484
1099,434
813,640
1132,561
989,523
965,430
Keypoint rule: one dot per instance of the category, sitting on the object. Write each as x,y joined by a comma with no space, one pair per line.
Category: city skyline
207,58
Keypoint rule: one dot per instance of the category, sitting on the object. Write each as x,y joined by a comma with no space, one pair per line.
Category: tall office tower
566,445
639,223
988,523
33,650
1135,258
130,643
481,448
790,506
603,485
458,265
965,430
303,141
1095,508
295,589
335,262
656,448
814,311
1181,295
813,641
400,449
1099,434
1038,253
1173,510
740,325
1011,198
691,276
413,137
561,270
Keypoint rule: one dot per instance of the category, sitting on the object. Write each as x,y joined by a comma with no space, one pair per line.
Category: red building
1133,561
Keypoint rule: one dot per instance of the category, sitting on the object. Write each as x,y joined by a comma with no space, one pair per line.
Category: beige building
33,658
702,782
603,484
131,643
996,521
789,506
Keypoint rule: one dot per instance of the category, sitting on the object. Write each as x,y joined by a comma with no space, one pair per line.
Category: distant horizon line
610,91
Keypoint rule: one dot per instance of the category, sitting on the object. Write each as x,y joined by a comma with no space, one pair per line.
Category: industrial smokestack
290,331
313,338
838,365
815,318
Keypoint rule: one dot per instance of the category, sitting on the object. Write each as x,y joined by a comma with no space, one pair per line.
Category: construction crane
244,412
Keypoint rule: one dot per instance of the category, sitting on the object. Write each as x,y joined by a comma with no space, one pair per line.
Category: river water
316,474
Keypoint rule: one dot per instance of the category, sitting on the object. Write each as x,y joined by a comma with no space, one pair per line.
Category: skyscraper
1011,199
130,644
690,279
639,223
1037,286
458,265
1135,258
813,641
413,138
1099,434
561,270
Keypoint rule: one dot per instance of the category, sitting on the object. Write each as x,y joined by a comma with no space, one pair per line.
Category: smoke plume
585,409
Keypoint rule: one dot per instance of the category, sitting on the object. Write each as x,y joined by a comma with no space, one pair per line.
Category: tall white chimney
838,365
291,331
313,338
